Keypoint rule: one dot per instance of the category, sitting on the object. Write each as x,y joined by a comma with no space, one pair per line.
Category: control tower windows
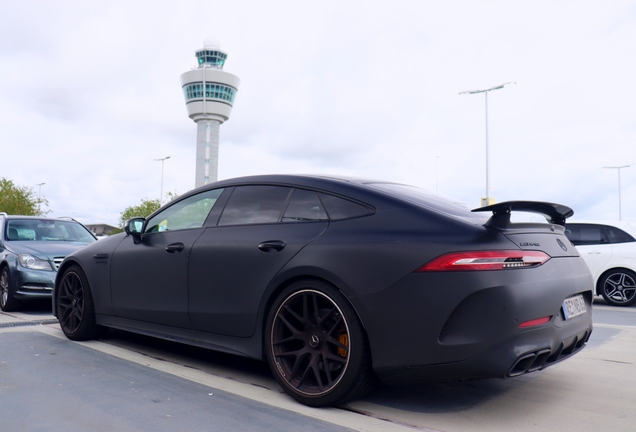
212,91
212,58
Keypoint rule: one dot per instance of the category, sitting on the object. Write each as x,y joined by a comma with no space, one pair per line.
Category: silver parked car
31,248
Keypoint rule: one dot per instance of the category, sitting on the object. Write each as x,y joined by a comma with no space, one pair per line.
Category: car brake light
535,322
485,260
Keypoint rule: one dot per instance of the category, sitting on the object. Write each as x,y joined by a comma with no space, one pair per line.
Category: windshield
47,230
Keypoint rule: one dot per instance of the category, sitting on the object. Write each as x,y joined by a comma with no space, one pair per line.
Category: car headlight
35,263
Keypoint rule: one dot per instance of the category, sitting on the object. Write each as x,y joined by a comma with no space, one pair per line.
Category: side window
339,208
304,205
255,204
188,213
584,234
617,235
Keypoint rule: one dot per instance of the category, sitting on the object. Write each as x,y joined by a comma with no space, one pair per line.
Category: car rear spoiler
554,213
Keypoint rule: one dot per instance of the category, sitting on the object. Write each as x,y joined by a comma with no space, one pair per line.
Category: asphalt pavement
48,384
130,382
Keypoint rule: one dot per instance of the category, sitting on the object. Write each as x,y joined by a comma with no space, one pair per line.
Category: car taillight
485,260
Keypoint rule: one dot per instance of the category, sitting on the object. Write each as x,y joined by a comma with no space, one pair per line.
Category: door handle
272,246
174,247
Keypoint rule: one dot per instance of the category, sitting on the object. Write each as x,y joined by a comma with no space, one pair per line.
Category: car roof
347,186
61,219
364,190
297,179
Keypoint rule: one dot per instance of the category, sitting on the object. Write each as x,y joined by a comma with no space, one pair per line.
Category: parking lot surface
130,382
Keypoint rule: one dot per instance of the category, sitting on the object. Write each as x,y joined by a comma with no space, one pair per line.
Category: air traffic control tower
209,94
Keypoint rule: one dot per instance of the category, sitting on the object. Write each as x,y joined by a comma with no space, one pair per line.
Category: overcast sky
90,95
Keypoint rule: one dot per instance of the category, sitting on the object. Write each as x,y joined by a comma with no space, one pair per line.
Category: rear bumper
527,352
465,325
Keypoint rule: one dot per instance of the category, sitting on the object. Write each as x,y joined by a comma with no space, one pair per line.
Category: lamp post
40,189
618,168
485,91
162,161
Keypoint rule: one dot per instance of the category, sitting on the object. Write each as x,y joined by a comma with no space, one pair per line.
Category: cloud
91,96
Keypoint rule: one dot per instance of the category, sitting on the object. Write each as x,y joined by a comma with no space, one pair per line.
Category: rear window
617,235
304,205
425,198
339,208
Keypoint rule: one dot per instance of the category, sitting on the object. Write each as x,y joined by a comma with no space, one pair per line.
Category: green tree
20,200
144,209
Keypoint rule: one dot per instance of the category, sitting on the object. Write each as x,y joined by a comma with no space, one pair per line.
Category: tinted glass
188,213
304,206
617,235
255,204
47,230
339,208
425,198
586,234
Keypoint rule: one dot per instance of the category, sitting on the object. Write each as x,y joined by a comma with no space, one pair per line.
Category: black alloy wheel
75,308
618,287
7,302
316,346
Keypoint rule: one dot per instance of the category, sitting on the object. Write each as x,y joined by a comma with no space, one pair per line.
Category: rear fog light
535,322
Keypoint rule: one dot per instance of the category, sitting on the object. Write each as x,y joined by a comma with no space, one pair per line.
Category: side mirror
135,227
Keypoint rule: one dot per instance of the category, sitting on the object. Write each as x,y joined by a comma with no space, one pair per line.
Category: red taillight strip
535,322
485,260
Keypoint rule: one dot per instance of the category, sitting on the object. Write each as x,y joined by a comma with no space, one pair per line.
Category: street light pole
162,161
40,190
485,91
618,169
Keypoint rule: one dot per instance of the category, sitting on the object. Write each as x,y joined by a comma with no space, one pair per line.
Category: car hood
46,249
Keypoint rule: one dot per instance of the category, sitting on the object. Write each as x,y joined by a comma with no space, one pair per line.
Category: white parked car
609,249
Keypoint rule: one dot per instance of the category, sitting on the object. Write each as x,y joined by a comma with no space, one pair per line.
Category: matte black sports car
339,282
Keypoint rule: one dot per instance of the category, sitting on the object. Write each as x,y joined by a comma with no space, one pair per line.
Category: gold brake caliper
344,340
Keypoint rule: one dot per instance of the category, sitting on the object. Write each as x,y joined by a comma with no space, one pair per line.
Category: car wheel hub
314,340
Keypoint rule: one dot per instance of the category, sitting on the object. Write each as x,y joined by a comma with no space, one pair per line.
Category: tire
316,346
8,303
75,308
618,287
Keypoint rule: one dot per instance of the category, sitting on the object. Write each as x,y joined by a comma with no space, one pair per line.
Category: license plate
574,306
